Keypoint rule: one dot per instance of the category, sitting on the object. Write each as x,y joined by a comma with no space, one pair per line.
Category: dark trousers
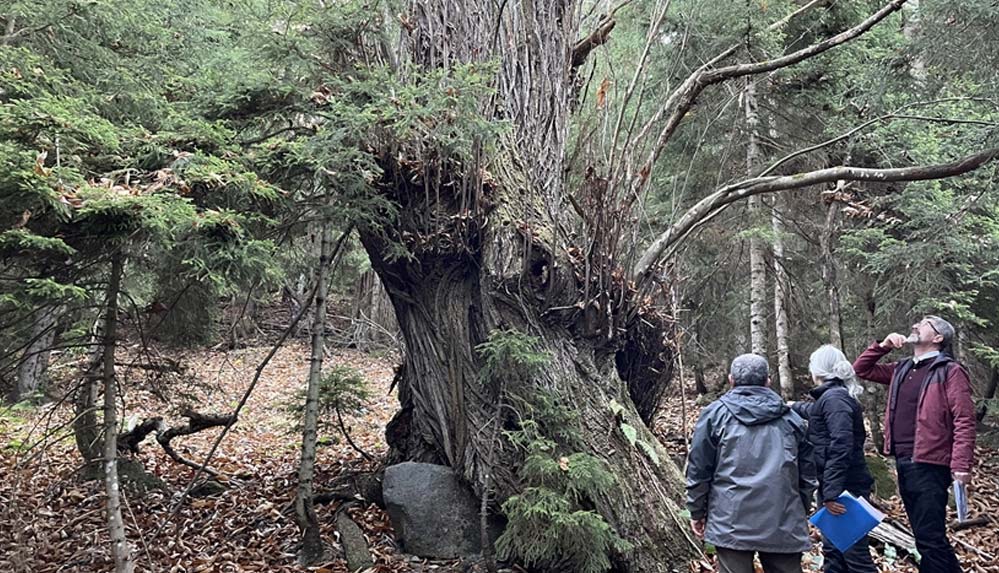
736,561
856,559
924,490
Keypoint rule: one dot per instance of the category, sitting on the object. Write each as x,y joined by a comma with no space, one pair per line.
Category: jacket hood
753,405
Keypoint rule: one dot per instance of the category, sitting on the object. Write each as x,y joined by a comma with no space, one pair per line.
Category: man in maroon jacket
929,428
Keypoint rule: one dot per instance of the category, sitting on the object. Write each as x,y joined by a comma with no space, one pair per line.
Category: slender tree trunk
121,552
86,431
9,31
910,29
780,302
829,274
757,250
989,395
312,544
873,397
32,372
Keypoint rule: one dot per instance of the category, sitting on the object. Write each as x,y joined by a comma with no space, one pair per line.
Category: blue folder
845,530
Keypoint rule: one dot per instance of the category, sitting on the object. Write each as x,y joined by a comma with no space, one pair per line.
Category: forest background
552,216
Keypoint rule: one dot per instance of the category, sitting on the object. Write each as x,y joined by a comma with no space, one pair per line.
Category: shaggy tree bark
486,256
372,319
312,544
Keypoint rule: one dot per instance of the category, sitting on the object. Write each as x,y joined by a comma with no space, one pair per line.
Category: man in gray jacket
750,476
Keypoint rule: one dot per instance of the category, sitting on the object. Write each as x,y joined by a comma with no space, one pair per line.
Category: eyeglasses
929,322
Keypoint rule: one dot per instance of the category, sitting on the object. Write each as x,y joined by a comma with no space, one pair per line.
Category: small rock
355,546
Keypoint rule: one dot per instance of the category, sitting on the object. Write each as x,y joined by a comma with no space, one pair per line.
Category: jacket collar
829,384
917,360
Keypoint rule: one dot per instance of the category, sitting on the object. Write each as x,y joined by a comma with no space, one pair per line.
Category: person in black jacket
836,432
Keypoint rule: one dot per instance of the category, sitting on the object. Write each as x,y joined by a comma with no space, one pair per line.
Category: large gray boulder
434,514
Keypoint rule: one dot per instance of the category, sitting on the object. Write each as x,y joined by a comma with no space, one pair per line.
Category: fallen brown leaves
53,522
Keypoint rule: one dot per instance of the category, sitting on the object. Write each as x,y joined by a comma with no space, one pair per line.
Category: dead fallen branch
196,422
968,524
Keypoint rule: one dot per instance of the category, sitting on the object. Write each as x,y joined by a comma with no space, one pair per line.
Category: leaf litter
52,522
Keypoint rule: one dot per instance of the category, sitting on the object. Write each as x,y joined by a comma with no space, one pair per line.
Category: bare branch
682,100
196,422
894,115
597,37
715,202
740,70
639,70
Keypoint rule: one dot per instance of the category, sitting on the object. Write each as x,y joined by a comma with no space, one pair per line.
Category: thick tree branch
196,422
715,202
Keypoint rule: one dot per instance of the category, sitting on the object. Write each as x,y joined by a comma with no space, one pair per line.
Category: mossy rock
207,488
884,478
131,473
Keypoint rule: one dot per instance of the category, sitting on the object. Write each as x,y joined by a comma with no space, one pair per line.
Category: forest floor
51,521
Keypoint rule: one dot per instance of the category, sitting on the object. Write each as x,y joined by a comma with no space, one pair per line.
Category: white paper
867,505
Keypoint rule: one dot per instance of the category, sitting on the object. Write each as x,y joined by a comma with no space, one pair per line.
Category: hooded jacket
750,474
836,433
945,414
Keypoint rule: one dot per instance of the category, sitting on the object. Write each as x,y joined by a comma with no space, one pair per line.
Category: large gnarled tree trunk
486,256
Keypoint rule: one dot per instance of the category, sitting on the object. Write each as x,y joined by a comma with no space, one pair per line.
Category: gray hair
750,370
944,329
829,362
